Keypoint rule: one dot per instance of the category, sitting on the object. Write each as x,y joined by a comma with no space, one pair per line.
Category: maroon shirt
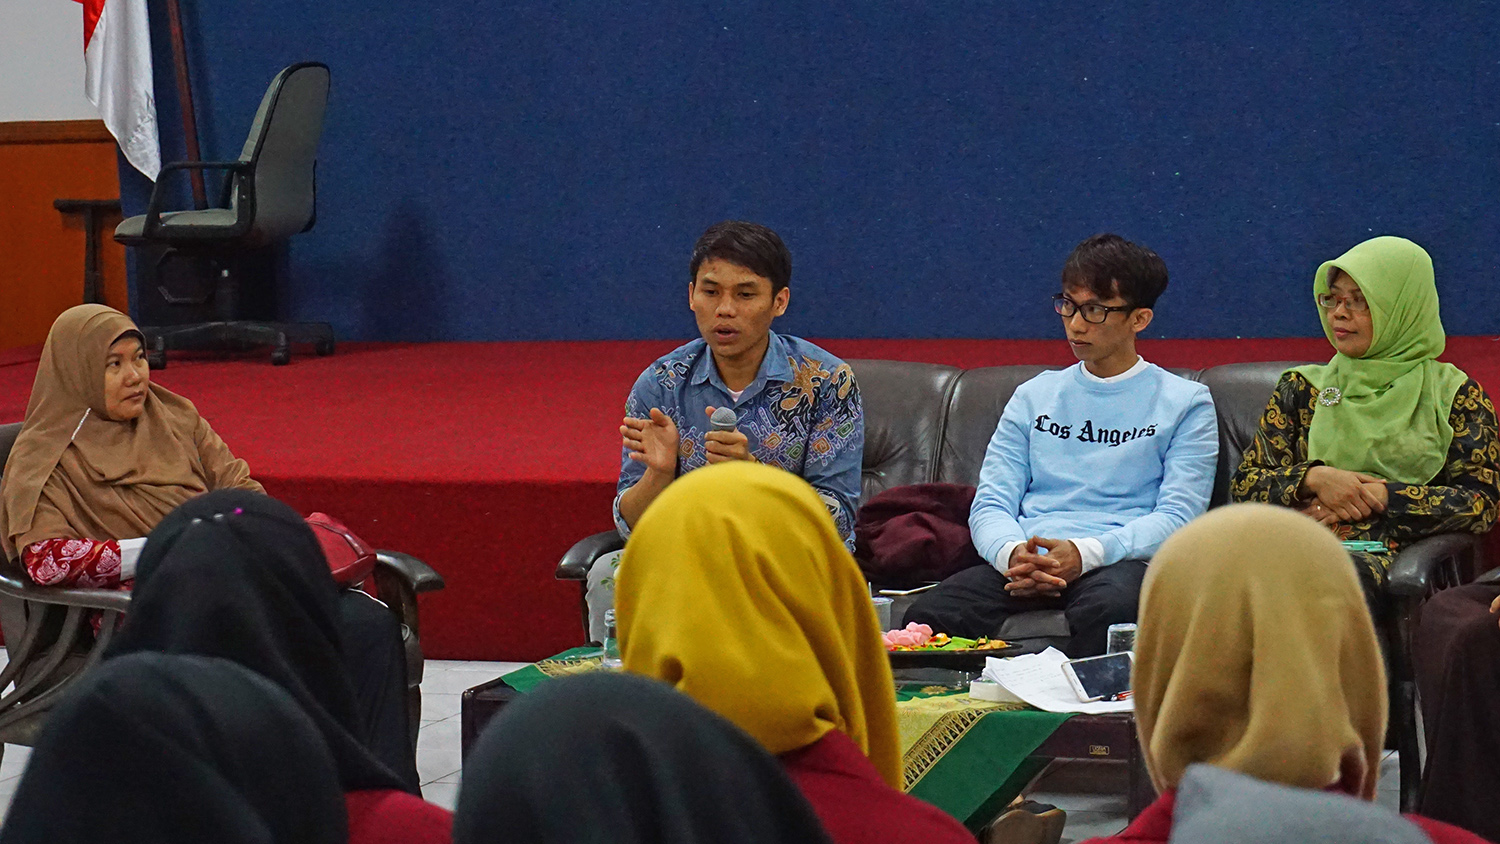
856,806
386,816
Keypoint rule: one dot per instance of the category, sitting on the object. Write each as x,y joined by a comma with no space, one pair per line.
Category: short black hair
1109,265
751,245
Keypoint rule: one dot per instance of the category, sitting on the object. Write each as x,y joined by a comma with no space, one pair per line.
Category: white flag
117,77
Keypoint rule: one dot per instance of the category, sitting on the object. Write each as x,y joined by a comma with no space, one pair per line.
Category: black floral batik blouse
1461,499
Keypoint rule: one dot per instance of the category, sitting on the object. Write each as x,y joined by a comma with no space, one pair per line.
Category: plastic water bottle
610,660
1120,638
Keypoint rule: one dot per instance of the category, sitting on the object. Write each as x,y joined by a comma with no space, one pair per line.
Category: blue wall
539,170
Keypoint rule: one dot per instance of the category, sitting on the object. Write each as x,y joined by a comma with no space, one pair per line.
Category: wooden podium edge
54,132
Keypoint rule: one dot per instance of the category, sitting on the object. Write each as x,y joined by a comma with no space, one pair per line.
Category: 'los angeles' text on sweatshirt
1123,462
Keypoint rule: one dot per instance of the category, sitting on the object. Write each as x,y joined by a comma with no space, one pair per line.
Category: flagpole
185,100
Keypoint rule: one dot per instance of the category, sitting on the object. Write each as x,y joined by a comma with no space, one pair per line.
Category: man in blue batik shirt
798,406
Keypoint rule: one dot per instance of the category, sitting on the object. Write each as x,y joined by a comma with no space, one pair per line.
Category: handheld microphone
724,419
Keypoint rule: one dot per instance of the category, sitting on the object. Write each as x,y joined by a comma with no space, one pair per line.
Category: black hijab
619,758
238,575
162,749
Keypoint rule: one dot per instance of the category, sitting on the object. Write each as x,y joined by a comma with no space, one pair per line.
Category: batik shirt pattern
801,413
1463,498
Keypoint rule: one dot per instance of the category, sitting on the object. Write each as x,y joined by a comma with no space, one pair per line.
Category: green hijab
1390,419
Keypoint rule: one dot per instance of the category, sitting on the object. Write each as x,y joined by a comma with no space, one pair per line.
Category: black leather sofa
931,423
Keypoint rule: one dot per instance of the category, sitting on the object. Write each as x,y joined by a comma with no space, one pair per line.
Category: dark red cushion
909,535
350,558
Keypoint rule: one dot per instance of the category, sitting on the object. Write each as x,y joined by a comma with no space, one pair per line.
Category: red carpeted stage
488,460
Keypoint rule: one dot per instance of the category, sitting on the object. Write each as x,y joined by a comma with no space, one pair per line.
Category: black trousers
1457,648
376,659
974,603
1372,571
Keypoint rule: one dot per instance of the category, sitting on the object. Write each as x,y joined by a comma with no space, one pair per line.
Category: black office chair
269,195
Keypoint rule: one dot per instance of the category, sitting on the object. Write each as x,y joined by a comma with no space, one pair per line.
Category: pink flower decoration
914,636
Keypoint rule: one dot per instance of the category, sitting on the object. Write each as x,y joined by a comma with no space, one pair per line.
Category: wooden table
1110,737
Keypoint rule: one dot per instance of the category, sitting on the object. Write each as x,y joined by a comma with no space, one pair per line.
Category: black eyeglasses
1091,312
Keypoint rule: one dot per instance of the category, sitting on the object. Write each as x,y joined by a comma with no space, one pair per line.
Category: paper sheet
1038,679
130,551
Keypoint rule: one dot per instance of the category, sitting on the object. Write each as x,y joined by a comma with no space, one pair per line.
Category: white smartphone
1100,677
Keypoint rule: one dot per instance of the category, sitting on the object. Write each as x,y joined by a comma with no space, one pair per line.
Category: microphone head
724,419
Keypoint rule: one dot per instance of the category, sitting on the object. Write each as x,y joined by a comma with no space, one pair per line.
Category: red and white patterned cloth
82,563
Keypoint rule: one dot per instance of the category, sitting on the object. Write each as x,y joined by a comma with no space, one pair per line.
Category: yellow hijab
1256,654
736,588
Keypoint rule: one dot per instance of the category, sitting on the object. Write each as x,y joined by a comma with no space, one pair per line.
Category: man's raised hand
652,441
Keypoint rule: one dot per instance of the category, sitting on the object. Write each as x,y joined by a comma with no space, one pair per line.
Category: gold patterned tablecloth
967,757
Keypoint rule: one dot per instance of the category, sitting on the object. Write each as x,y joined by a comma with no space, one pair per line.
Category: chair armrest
1415,570
1491,576
158,193
580,558
420,576
17,586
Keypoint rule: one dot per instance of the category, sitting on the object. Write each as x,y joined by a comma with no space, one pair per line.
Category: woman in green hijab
1384,442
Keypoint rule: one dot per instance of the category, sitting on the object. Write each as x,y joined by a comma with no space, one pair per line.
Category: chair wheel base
238,337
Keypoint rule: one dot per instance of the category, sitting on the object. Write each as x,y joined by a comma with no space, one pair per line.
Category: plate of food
917,646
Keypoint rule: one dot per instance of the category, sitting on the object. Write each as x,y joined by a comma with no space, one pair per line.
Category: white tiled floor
438,758
438,755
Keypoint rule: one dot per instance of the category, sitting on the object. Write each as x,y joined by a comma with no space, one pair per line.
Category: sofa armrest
580,558
1416,571
420,576
16,585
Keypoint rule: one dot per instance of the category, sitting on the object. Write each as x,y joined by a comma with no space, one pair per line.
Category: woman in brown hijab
1256,654
104,455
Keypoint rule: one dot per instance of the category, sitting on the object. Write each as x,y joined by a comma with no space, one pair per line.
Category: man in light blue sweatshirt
1090,468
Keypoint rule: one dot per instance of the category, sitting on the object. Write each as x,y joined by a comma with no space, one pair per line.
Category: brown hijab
1256,654
74,472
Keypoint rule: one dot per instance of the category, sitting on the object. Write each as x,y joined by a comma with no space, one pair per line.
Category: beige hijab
1256,654
75,472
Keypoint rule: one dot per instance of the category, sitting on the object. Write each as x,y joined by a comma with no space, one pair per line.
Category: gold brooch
1330,396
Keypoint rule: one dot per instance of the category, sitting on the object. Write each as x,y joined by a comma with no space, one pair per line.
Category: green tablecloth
573,661
967,757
